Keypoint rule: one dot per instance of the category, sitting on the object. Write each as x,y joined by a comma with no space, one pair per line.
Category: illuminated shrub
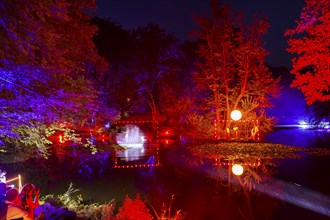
133,209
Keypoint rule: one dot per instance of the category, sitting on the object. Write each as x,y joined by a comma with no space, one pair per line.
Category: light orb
237,169
236,115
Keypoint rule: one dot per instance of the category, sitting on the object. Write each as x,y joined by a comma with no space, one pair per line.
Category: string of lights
137,166
219,163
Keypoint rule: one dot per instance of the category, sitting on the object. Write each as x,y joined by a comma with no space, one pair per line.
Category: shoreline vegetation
71,204
241,150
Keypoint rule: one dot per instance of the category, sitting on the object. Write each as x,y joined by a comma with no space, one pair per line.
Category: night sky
177,16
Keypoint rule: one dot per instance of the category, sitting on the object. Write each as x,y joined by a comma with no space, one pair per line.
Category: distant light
236,115
237,169
303,124
107,125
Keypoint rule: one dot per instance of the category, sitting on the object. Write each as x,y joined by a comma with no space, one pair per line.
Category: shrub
133,209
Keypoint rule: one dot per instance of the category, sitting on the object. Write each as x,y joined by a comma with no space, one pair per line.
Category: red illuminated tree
310,42
232,70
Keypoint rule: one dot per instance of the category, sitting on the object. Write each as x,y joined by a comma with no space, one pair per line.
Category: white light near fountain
131,137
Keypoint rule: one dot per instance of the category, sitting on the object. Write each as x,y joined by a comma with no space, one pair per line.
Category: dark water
307,179
298,189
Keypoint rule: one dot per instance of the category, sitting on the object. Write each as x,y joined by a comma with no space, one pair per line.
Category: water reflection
257,176
137,157
261,174
300,137
297,195
131,154
204,188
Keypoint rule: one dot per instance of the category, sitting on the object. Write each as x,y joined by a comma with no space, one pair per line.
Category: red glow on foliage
309,40
133,209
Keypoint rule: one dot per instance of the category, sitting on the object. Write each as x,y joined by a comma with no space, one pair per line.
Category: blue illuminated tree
48,66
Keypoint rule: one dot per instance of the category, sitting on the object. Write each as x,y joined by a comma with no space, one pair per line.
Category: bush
75,204
133,209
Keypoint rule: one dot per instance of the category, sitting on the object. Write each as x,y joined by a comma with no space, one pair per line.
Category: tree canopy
310,43
46,62
232,71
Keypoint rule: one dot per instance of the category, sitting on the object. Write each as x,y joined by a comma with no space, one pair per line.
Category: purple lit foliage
47,68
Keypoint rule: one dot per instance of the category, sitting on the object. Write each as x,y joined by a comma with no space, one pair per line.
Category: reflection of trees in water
306,138
256,175
320,139
257,159
220,188
79,164
238,150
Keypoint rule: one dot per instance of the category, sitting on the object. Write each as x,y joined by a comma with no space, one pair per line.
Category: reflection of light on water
136,158
293,137
297,195
287,192
292,193
132,137
131,154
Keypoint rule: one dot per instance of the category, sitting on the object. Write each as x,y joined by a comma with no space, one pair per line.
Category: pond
296,188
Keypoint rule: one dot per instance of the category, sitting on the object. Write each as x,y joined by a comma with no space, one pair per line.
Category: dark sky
177,16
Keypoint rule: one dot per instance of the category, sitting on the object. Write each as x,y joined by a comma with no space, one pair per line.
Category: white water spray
132,137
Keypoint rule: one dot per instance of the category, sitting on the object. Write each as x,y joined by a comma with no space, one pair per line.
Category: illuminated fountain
132,137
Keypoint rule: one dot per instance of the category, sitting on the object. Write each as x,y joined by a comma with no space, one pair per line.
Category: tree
231,70
116,45
46,63
310,41
145,72
156,62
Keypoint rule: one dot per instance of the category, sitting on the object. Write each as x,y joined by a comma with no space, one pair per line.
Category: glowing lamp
236,115
237,169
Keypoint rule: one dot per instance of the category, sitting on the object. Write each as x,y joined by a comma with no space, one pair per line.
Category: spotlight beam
297,195
282,190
